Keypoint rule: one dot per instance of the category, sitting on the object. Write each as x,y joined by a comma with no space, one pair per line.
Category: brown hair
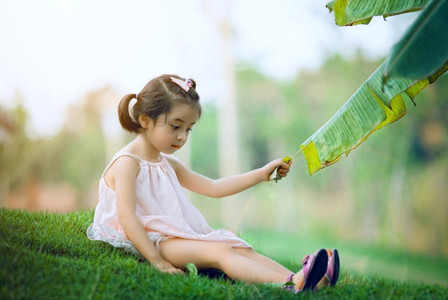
155,99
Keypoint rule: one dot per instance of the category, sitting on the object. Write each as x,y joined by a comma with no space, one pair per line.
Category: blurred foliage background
391,191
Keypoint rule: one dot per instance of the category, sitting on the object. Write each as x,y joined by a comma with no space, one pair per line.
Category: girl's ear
144,121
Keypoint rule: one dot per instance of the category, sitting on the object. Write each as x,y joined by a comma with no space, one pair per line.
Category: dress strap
121,154
117,156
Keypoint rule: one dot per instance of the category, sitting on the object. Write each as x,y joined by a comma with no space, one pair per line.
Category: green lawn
48,256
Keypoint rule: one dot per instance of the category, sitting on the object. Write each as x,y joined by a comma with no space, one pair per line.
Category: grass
48,256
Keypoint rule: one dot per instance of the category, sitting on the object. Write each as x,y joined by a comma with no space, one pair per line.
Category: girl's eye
175,127
190,129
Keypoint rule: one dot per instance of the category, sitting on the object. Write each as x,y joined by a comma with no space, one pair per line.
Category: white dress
162,207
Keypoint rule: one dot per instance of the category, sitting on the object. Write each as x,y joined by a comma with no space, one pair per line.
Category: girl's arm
229,185
124,172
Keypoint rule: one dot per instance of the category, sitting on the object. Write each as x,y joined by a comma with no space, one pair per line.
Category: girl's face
170,132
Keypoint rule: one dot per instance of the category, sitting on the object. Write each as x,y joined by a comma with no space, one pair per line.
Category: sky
54,52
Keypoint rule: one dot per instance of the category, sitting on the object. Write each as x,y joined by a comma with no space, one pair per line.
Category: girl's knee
246,251
221,249
203,254
220,252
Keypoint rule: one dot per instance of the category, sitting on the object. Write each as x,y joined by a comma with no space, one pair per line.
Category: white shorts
156,238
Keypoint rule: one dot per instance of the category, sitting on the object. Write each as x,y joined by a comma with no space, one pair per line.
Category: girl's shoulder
121,166
126,160
126,156
123,161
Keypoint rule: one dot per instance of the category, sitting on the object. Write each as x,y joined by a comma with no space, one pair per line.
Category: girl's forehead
183,112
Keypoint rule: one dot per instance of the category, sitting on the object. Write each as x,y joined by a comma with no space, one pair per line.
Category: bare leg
323,283
298,278
248,267
265,261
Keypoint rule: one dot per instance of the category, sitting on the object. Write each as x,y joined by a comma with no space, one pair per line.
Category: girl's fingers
173,271
280,167
283,172
284,168
176,271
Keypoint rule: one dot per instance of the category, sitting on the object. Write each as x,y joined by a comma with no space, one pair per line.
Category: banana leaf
353,12
417,60
369,109
424,47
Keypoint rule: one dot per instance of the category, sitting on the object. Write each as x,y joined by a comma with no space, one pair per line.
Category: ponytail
126,120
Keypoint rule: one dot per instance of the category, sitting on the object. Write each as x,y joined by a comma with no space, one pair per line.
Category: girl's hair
155,99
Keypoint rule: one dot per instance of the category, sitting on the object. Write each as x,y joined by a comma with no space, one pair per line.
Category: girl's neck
140,147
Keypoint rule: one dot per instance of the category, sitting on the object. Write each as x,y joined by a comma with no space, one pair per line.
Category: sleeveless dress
161,206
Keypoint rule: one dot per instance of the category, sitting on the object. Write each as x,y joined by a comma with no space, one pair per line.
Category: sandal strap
306,264
305,259
289,285
330,268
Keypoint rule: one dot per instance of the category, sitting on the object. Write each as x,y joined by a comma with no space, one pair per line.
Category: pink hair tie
185,85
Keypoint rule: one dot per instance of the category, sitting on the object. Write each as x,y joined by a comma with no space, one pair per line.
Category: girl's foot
332,274
314,268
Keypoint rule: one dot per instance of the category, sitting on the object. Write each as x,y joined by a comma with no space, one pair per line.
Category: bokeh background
269,75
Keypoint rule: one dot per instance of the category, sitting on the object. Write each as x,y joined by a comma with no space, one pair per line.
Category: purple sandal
314,268
332,273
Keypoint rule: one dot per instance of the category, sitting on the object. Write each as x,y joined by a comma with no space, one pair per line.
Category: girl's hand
283,168
164,266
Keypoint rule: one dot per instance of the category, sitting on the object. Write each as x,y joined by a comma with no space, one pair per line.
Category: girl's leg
298,278
221,256
323,283
265,261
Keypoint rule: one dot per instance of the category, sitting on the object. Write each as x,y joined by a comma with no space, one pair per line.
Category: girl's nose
182,136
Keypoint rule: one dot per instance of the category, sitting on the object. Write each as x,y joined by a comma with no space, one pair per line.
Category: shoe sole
317,270
336,267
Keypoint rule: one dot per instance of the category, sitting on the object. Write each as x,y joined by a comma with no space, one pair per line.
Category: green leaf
353,12
192,270
330,5
369,109
290,283
423,49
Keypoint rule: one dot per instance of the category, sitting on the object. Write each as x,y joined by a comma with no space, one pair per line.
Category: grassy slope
49,256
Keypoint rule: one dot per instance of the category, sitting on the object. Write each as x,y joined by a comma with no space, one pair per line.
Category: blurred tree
15,150
227,116
77,153
204,143
261,107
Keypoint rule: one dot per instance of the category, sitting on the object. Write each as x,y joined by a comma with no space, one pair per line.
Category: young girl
142,206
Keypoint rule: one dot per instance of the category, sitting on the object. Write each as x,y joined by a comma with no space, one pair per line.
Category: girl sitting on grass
143,208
